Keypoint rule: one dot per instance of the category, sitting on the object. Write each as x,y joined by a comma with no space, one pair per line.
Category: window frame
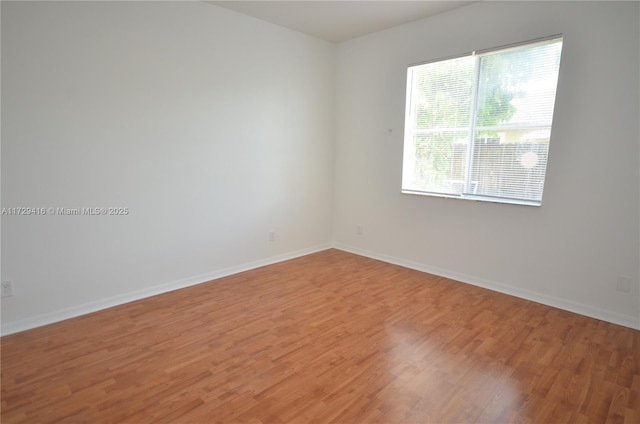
466,193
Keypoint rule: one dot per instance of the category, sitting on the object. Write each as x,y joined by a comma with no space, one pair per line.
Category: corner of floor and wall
141,155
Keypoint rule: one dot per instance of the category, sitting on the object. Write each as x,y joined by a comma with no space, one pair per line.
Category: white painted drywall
211,127
570,251
214,128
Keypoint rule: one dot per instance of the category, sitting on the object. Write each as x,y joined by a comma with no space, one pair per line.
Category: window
478,126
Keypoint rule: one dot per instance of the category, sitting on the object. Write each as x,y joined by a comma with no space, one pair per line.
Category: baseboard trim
564,304
87,308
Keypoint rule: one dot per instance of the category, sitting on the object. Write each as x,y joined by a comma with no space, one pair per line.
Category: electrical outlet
359,230
272,235
7,289
624,284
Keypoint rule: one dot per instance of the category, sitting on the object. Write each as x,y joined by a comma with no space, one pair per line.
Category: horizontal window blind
479,126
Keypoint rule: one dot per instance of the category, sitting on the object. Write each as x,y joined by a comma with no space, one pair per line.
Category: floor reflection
431,383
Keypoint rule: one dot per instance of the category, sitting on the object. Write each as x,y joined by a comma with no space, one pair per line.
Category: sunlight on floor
429,384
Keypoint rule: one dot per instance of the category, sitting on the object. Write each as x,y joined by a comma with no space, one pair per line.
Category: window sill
475,198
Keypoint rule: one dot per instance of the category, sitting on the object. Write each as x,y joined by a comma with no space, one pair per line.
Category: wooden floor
330,337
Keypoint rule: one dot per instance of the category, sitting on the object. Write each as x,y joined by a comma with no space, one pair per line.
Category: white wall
214,128
567,253
211,127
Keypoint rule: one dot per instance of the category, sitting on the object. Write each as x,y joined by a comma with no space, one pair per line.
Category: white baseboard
556,302
87,308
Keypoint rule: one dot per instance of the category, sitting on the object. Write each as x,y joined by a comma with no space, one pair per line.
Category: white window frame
468,193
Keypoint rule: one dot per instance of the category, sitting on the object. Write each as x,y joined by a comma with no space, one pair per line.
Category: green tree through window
457,108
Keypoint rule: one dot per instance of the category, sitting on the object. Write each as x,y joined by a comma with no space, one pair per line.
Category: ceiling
337,21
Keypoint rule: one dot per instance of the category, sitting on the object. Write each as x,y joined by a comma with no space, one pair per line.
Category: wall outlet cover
7,289
623,284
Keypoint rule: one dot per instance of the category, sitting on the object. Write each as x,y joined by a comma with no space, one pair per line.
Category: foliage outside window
479,126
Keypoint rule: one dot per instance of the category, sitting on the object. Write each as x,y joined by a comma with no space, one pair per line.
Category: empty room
320,212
